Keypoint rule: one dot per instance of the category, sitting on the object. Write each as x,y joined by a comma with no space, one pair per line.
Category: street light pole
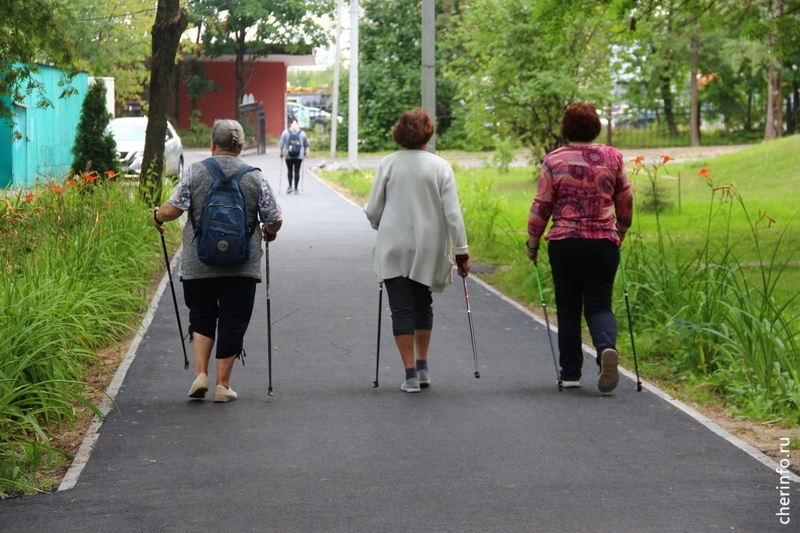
352,126
336,65
429,64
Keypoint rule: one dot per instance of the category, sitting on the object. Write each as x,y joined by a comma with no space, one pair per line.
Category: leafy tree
521,62
113,39
390,71
95,147
249,29
196,81
32,31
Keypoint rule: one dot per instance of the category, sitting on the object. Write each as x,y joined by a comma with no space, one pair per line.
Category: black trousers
411,305
293,169
220,309
583,272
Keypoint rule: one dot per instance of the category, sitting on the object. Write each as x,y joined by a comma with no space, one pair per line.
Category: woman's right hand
462,262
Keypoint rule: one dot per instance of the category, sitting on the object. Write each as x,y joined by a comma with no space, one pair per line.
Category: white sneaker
424,378
221,394
571,384
199,387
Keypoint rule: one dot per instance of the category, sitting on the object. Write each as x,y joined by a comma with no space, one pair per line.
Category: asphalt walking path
329,452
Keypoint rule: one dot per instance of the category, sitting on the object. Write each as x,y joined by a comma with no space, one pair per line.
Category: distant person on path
294,144
584,188
414,206
220,298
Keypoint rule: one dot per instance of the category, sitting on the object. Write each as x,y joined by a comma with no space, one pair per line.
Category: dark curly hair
580,123
414,129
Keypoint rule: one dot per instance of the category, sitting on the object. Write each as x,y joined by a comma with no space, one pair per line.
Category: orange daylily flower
762,216
56,188
90,177
666,159
704,172
639,159
110,174
71,182
29,197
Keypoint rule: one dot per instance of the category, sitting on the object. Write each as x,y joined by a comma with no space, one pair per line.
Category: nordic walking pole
471,329
378,351
547,324
175,301
630,323
269,327
280,176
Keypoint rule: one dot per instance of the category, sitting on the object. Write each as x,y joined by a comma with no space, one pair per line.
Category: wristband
531,250
155,218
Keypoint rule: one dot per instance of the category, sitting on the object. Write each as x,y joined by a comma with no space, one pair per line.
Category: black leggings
411,305
583,272
220,305
293,168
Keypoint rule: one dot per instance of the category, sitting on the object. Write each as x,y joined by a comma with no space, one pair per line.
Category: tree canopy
249,29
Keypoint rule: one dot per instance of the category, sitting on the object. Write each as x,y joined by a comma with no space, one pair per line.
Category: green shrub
95,148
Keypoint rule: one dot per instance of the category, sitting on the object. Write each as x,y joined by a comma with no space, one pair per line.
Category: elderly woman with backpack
220,292
294,145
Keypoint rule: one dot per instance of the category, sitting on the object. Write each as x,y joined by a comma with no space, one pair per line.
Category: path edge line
93,431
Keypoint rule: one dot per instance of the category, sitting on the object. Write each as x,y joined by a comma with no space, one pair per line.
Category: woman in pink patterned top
583,187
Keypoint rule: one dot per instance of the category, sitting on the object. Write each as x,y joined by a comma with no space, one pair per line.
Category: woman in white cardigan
414,206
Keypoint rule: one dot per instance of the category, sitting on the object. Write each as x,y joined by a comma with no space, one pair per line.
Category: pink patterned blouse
585,189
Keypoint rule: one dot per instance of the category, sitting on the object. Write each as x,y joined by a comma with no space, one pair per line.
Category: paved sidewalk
330,453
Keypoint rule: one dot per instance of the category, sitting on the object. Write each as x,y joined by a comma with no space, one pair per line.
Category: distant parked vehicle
129,132
299,113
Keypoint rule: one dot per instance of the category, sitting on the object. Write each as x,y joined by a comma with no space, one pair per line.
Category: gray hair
228,135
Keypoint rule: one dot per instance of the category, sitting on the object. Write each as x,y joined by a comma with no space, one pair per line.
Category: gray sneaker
424,378
410,385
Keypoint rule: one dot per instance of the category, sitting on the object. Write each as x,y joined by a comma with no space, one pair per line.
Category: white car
129,132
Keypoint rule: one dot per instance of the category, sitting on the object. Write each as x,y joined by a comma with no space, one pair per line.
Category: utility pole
352,131
336,64
429,64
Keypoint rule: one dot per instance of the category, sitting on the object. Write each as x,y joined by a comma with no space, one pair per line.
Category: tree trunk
774,126
694,111
241,47
170,23
666,95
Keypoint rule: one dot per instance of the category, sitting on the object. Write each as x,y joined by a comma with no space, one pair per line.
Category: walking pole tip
375,384
477,375
560,386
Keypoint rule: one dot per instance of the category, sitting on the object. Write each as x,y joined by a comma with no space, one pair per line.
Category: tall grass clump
77,259
714,319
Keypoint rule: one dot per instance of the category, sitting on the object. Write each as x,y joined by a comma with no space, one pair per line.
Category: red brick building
267,85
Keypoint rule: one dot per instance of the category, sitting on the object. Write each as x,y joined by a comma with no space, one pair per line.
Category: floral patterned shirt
585,190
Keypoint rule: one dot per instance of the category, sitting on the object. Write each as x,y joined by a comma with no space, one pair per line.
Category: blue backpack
224,232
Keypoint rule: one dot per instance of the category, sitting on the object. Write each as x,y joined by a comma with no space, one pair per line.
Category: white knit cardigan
414,206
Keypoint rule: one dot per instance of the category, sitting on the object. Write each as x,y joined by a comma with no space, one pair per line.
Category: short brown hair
580,123
414,129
